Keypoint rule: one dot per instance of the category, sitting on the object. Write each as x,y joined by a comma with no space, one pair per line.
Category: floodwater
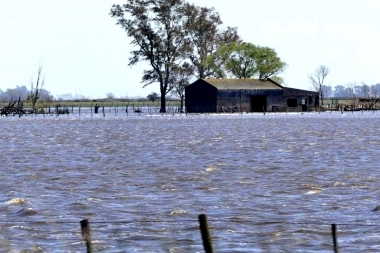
267,183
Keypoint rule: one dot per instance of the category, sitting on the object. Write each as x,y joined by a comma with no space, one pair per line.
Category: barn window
292,102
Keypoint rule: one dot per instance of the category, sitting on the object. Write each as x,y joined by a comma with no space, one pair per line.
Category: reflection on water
270,183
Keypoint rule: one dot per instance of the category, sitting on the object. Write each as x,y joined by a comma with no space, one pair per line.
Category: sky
82,52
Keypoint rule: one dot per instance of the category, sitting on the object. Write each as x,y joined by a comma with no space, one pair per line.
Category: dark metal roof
293,91
243,84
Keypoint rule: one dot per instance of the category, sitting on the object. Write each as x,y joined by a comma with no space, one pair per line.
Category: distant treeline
352,90
22,93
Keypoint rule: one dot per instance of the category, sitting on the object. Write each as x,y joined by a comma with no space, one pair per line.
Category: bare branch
318,78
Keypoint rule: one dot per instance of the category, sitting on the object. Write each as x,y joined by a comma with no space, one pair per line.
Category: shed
249,95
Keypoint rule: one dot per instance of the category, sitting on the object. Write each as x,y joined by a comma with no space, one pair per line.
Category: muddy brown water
267,183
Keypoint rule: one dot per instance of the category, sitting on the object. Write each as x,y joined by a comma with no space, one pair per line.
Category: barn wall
311,98
242,98
200,97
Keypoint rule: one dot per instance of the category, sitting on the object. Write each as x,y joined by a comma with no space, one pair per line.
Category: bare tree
317,79
35,88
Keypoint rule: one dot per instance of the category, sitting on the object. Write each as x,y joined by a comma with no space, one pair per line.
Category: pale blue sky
83,52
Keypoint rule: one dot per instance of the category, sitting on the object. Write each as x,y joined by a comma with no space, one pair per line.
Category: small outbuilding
245,95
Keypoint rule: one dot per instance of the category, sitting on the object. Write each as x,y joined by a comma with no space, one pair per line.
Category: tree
327,90
204,38
110,95
19,92
242,63
278,79
317,79
181,77
153,96
366,89
158,31
35,88
339,91
246,60
268,63
350,90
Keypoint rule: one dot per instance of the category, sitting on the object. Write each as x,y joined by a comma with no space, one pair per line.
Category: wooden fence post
85,226
333,230
206,238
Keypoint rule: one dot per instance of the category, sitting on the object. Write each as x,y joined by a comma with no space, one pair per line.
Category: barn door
258,103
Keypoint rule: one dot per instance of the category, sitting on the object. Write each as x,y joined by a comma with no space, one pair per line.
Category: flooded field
267,183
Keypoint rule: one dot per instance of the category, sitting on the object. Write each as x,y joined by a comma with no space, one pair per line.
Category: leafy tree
339,91
317,79
277,79
327,90
45,95
350,90
360,91
19,92
205,37
158,30
182,78
246,60
242,62
268,63
366,90
376,89
153,96
110,95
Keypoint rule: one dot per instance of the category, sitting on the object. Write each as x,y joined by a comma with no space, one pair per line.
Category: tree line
23,93
182,42
353,90
350,90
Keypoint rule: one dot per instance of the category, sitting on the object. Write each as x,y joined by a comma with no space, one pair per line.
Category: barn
245,95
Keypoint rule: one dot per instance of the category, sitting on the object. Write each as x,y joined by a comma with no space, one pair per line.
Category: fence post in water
104,114
85,226
79,111
264,110
206,238
333,230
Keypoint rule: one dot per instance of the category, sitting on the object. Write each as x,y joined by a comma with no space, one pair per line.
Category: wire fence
187,235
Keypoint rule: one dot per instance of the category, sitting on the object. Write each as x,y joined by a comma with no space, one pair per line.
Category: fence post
333,230
85,226
206,238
